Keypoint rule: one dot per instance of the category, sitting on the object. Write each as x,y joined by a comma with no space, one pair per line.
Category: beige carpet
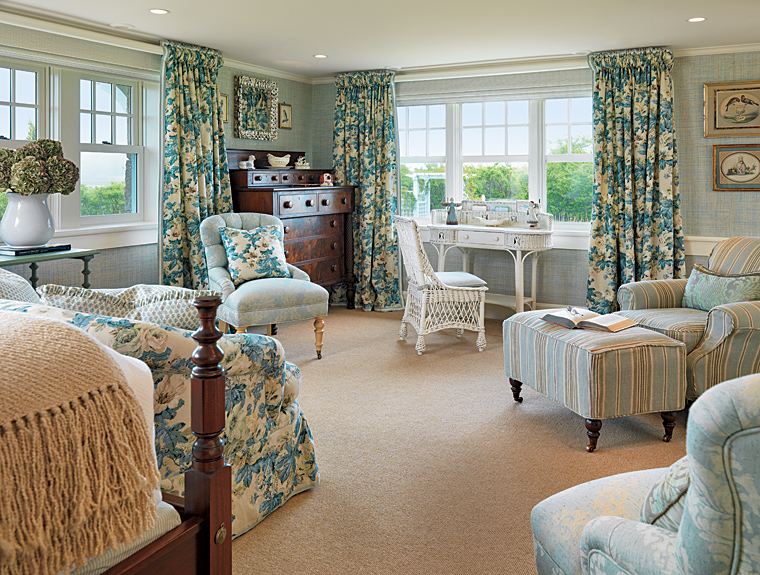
427,464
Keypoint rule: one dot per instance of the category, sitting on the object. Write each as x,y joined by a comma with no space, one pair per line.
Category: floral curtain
364,155
636,228
196,180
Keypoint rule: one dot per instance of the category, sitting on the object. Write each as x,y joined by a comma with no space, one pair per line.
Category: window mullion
454,171
536,144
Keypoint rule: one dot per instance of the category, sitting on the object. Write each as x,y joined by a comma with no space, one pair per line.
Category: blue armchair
700,516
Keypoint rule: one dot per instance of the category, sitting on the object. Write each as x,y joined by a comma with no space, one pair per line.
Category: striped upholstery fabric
596,374
652,294
684,324
735,256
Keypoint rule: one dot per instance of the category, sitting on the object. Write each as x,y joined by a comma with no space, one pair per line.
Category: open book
584,319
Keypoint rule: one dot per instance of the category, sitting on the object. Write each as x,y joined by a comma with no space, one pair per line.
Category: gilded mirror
256,108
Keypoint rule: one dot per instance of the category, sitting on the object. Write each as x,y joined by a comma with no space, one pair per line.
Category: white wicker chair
440,300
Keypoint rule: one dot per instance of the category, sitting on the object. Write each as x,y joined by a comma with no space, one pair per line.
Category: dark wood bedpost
208,484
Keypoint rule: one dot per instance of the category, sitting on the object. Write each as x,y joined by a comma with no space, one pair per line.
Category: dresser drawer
297,204
313,249
310,226
262,178
337,201
324,271
307,177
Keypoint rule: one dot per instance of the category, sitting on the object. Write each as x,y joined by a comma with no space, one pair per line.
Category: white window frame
42,100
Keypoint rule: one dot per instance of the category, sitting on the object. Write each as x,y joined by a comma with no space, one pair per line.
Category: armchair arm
298,274
728,348
651,294
219,279
615,545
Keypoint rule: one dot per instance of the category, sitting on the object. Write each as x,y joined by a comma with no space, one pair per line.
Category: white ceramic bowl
276,162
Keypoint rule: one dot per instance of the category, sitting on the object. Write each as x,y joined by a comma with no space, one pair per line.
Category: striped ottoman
596,374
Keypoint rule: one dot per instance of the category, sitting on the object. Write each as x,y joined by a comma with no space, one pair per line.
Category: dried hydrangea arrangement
37,168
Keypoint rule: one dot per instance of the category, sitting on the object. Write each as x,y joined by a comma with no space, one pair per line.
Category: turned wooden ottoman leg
592,430
669,423
516,389
319,329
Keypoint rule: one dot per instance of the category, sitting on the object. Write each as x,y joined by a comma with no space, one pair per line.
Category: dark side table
33,259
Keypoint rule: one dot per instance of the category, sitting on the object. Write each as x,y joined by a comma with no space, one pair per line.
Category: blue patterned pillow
707,289
254,254
665,502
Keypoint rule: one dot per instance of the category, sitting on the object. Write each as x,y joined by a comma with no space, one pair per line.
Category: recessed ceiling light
320,55
159,11
122,26
699,19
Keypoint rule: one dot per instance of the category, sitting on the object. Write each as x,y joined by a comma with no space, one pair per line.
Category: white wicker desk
518,242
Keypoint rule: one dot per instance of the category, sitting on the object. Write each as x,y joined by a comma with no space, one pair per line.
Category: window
108,151
515,149
422,143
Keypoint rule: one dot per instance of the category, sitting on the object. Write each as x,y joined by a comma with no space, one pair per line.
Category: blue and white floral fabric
196,179
254,254
636,227
364,155
267,439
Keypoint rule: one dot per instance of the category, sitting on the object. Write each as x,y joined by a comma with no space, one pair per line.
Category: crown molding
735,49
267,71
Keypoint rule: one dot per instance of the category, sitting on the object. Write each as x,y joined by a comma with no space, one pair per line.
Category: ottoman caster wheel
592,430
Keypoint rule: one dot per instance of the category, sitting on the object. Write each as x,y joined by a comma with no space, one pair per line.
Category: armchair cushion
15,287
254,254
664,504
707,289
683,324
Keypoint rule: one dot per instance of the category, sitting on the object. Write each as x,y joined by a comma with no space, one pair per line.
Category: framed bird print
732,109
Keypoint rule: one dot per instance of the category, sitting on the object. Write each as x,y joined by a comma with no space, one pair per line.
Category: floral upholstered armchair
715,313
268,442
700,516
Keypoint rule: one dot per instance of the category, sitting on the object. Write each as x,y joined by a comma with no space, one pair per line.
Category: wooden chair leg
319,329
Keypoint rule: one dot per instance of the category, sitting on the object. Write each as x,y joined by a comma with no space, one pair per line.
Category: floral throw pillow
707,289
254,254
664,504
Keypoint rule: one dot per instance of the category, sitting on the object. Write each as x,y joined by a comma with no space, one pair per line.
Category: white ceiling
409,34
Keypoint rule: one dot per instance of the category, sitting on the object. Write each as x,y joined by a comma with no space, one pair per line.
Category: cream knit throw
76,464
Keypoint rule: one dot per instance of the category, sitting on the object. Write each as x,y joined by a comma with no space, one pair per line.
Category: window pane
494,113
437,116
85,128
495,141
437,143
495,181
402,145
518,141
85,94
102,129
423,187
556,139
580,110
472,141
581,138
417,143
103,97
417,116
108,183
556,111
5,84
568,190
26,87
26,123
5,122
472,114
123,99
122,131
518,112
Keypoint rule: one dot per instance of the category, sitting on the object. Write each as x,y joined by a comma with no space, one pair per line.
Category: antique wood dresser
316,219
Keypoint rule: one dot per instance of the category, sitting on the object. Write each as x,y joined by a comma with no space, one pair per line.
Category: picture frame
286,116
732,109
256,108
736,168
224,99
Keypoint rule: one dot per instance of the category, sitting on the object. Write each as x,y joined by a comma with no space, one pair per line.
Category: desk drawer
297,204
479,238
